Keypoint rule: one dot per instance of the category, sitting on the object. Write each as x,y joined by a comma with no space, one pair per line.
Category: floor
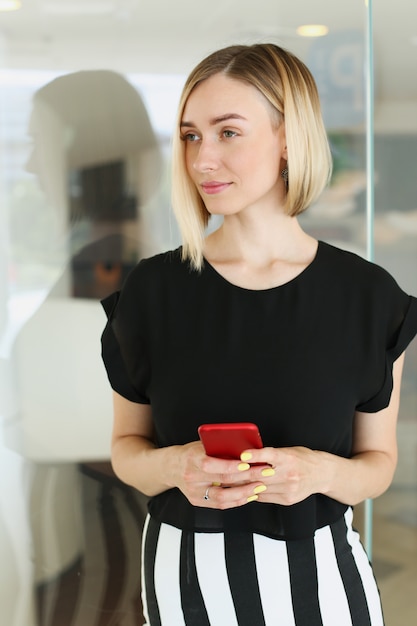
103,589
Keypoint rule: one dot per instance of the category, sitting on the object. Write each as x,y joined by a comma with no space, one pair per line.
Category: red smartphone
229,440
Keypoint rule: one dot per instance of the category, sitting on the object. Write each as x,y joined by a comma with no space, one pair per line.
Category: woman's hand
214,483
289,475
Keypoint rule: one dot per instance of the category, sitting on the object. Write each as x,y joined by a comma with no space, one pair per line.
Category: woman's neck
261,256
258,243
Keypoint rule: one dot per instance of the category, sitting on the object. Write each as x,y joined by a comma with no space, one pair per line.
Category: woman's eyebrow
215,120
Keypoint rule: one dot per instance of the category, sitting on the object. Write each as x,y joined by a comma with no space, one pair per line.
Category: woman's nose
207,157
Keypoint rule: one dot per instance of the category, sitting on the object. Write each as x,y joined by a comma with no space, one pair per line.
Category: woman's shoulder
146,283
158,262
351,267
156,267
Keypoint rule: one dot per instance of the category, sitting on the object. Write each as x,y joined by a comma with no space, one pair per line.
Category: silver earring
284,175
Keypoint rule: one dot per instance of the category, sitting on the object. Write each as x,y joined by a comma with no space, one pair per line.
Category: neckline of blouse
290,282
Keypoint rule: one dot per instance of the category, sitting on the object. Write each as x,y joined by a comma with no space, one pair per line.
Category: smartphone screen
229,440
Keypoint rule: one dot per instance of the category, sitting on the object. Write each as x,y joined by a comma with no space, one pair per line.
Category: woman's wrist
326,472
169,465
353,480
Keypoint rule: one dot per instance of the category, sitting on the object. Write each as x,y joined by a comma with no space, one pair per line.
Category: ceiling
170,37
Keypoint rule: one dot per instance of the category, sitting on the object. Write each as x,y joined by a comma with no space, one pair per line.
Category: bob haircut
289,87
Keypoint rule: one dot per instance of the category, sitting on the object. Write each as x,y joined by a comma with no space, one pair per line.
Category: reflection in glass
99,167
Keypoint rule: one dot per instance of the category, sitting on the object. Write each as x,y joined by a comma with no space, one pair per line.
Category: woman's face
234,154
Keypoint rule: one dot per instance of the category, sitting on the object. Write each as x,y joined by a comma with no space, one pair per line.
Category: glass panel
395,229
84,193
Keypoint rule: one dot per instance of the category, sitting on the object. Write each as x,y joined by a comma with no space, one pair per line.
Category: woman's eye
191,137
229,133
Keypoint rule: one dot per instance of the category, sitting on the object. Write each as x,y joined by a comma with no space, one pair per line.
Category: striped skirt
240,579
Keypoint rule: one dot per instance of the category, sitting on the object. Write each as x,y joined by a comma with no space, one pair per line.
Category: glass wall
395,243
88,98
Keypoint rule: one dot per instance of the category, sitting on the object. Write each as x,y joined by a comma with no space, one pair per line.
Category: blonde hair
289,87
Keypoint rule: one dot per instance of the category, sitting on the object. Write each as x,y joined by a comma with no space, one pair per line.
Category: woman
256,322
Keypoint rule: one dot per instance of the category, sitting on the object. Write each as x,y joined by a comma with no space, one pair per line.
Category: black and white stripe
238,579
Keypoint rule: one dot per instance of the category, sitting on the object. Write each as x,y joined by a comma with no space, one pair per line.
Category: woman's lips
214,187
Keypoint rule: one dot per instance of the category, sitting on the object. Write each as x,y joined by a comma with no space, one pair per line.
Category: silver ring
206,495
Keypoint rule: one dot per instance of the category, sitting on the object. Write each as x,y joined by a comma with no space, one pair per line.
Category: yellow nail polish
268,471
252,498
245,456
243,467
216,484
259,489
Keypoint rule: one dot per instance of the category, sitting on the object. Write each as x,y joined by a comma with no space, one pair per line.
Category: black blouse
298,360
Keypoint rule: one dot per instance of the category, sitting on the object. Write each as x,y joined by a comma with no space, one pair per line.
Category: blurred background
88,96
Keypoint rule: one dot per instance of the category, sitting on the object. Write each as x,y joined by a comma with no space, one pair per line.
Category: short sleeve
398,336
116,359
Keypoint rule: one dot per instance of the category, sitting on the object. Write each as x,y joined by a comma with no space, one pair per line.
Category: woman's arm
374,455
135,458
139,463
299,472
